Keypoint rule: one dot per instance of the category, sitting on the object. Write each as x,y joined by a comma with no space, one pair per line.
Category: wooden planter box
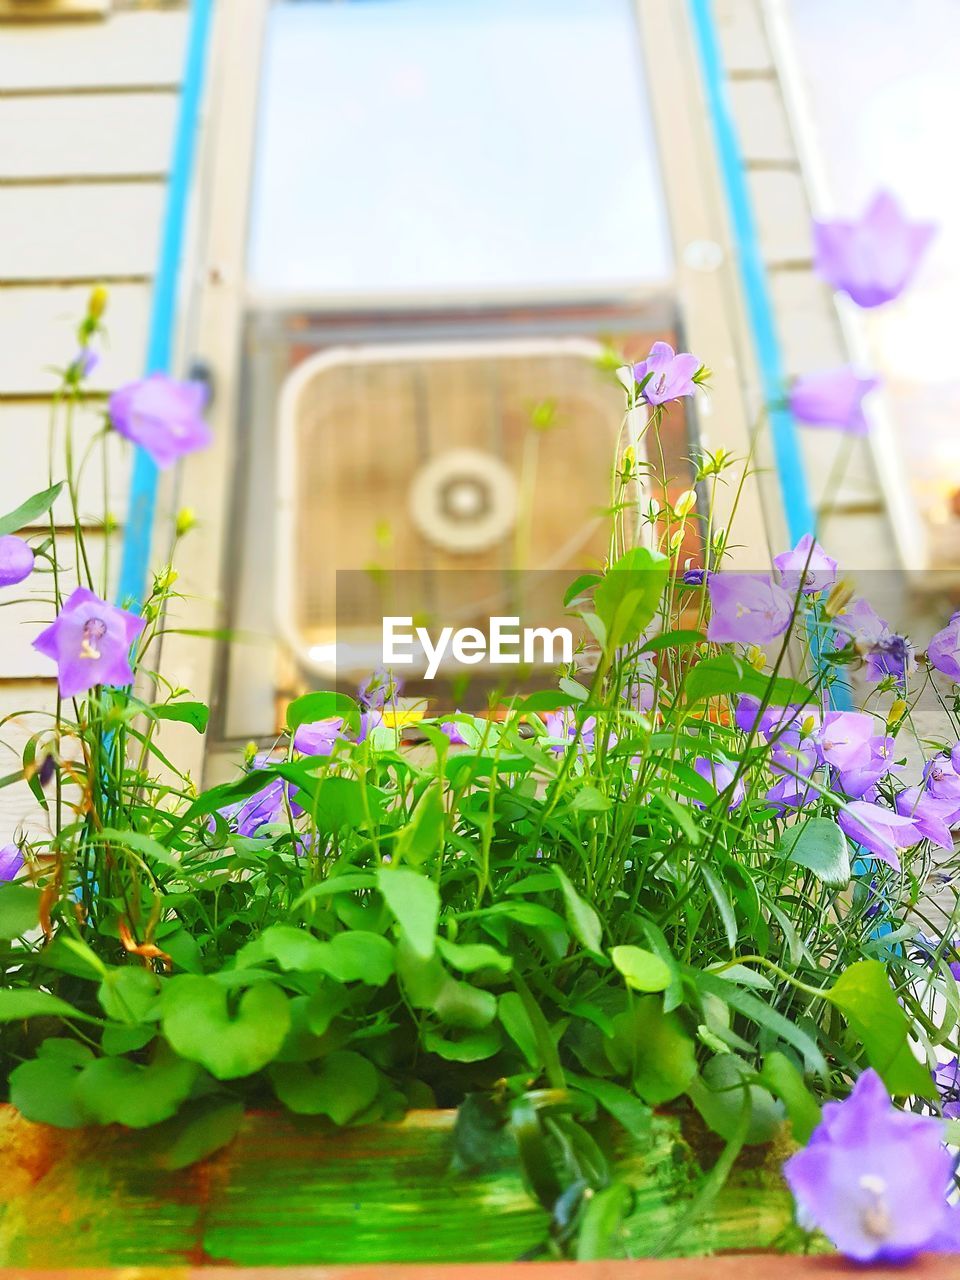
293,1192
288,1193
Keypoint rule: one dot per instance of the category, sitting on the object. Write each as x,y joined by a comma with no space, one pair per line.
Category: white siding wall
87,113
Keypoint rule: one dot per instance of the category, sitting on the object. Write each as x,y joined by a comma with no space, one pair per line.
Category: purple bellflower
885,652
807,568
846,739
832,399
380,687
873,259
670,375
931,817
90,642
321,736
873,1178
946,1076
266,805
747,608
16,560
11,862
943,651
880,831
720,774
861,778
163,416
453,732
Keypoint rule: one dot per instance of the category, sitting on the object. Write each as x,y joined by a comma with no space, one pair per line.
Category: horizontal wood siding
87,115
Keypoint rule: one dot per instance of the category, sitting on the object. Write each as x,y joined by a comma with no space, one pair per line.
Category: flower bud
898,709
186,519
97,302
838,599
685,503
756,657
164,579
676,539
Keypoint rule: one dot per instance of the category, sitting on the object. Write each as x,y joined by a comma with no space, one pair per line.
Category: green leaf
322,706
864,996
724,905
590,800
458,1004
819,845
627,598
783,1079
118,1091
470,1046
199,1129
720,1095
130,995
681,639
17,1003
422,837
652,1050
727,675
340,1087
43,1090
578,586
469,957
339,804
19,909
415,903
28,512
193,713
583,920
641,970
360,956
635,1116
199,1025
517,1024
603,1221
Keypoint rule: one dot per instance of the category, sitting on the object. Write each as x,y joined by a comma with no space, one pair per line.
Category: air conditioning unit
452,481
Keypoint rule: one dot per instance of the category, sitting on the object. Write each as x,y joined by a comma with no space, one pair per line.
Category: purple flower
873,1178
941,779
90,643
720,774
873,259
832,399
452,730
641,689
747,608
266,805
860,779
881,831
930,816
846,739
669,375
943,651
790,792
694,577
83,364
321,736
163,416
946,1077
885,652
562,724
794,753
379,688
807,568
16,560
11,862
772,720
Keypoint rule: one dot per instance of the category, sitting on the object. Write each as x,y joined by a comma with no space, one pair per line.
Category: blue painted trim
753,279
143,485
786,443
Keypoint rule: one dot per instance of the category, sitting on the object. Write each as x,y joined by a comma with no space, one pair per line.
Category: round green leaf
118,1091
819,845
340,1087
415,902
642,970
199,1025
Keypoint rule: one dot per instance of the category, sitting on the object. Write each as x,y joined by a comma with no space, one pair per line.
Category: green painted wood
290,1192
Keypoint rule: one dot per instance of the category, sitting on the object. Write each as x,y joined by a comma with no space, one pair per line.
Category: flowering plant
688,873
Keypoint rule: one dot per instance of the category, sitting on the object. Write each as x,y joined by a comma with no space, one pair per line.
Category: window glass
455,148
